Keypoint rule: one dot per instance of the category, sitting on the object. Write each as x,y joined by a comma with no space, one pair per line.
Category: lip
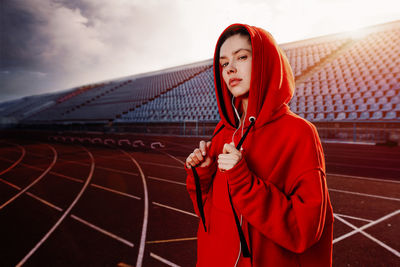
234,81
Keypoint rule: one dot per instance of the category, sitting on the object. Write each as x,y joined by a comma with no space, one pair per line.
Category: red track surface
70,205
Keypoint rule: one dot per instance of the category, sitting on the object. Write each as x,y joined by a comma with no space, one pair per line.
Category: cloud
76,42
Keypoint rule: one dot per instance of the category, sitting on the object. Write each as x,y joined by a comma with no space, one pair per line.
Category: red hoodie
278,188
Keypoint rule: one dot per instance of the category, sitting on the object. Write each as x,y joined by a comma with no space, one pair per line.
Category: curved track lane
146,211
17,161
35,181
66,212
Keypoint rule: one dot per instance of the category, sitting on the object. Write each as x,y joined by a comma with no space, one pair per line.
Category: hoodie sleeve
205,175
293,220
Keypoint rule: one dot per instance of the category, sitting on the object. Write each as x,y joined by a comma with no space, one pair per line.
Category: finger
197,152
203,148
188,165
208,145
223,167
224,151
190,162
228,148
194,159
229,161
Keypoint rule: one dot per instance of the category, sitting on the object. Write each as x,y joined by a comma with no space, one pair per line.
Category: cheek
224,77
248,70
248,74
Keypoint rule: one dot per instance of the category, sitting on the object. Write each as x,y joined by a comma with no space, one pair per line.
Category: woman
261,194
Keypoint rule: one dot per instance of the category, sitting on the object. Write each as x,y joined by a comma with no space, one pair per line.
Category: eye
224,64
243,57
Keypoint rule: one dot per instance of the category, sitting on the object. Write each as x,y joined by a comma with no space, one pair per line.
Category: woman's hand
229,158
199,156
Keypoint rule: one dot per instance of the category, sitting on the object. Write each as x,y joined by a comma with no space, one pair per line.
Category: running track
74,205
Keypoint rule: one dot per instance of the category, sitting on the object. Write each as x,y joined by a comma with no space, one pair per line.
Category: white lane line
126,242
352,217
364,178
364,166
172,240
340,238
81,181
16,162
173,157
66,212
10,184
99,167
165,180
44,201
35,181
363,194
146,211
67,177
167,262
162,165
115,191
175,209
348,142
395,252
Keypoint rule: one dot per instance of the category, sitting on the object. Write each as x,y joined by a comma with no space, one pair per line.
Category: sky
53,45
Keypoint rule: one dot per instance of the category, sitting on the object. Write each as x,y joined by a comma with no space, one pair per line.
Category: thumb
228,148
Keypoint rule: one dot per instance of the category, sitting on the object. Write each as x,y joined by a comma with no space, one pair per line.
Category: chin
239,92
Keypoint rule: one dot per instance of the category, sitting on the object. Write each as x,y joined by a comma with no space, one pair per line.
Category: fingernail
204,153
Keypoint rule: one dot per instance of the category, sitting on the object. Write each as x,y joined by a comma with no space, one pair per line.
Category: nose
231,68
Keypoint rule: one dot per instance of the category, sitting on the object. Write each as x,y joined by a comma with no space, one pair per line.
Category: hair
234,31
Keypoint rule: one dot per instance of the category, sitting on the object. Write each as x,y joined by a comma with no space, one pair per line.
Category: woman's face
235,59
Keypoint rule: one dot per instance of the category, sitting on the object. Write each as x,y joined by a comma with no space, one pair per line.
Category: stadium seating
106,102
340,78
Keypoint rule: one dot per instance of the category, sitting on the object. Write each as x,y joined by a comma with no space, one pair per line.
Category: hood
272,83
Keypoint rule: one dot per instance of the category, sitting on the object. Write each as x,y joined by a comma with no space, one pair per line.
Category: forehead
234,43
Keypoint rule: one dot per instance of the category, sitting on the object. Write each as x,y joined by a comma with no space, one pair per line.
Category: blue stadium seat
351,108
330,116
310,116
387,107
391,115
320,117
374,107
341,116
362,107
353,116
364,115
377,115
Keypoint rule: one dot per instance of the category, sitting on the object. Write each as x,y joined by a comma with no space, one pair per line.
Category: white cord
237,114
240,121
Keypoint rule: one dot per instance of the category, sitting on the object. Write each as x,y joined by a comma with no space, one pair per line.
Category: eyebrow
237,51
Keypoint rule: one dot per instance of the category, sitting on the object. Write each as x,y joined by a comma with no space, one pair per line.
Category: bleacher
340,78
192,100
304,56
363,83
109,101
27,106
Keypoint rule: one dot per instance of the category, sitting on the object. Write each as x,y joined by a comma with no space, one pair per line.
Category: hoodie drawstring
198,188
246,250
